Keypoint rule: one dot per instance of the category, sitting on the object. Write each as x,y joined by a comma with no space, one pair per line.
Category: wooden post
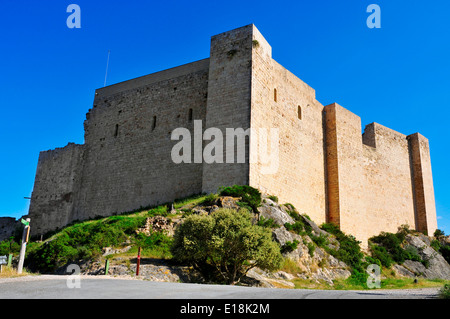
25,236
138,261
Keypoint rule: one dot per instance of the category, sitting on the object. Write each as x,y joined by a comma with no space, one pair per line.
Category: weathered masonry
327,167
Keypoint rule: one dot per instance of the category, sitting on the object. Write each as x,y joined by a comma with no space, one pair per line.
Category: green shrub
390,249
358,278
249,195
411,253
311,249
436,245
299,226
392,243
267,222
349,250
157,244
321,240
83,242
225,245
381,254
438,233
289,246
445,252
290,207
9,247
444,293
273,198
296,227
210,199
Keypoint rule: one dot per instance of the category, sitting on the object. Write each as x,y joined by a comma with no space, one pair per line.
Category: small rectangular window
299,112
275,95
154,123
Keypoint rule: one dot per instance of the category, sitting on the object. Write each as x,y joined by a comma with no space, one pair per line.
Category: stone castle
364,182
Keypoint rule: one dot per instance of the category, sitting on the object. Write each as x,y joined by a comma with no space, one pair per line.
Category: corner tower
228,103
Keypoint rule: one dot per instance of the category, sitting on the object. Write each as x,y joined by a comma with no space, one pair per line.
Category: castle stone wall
299,175
128,162
9,226
56,187
423,184
346,195
387,176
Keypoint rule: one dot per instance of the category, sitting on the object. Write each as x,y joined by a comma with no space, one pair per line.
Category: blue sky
397,76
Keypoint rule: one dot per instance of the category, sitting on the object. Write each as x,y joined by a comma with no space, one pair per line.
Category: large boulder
436,266
275,212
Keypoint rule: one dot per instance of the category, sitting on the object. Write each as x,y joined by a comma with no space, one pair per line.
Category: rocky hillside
307,260
317,254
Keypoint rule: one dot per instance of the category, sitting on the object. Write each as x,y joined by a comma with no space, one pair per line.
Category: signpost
23,247
3,261
138,261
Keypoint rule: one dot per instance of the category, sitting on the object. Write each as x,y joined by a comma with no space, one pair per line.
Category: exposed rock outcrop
158,224
436,267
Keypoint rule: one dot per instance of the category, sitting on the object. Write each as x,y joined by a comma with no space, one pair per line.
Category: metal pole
25,235
10,260
138,261
107,65
107,266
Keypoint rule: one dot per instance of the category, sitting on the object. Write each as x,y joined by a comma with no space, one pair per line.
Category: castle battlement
365,182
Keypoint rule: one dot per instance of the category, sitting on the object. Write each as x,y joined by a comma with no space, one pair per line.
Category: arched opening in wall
116,131
299,112
275,95
154,123
191,115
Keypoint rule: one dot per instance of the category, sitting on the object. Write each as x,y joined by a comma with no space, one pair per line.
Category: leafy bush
9,247
349,252
289,246
225,245
311,249
390,249
249,195
267,222
436,245
209,199
444,293
445,252
82,242
381,254
157,244
299,226
438,233
273,198
320,240
392,243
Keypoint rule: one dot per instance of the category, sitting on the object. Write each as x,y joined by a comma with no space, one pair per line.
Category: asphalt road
65,287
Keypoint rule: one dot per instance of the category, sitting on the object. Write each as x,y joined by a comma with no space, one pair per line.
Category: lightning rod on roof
107,65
